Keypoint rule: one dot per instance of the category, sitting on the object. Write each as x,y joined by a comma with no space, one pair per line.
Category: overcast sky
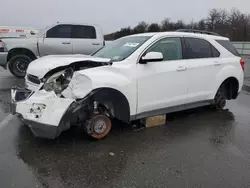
111,15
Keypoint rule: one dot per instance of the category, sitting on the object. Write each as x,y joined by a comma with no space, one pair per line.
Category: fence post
243,46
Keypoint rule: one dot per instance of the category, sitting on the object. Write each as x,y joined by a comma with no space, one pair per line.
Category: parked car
132,78
61,38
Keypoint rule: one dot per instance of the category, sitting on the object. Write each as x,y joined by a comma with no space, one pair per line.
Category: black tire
18,65
220,98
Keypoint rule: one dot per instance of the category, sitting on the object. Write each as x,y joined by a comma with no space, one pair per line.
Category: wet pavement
247,75
198,148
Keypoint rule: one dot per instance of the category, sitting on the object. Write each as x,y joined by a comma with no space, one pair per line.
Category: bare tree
154,27
166,25
140,28
233,24
202,24
213,18
180,25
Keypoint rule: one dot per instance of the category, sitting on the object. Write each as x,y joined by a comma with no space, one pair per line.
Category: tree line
232,24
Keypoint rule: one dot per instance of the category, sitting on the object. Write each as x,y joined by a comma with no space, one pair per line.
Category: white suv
132,78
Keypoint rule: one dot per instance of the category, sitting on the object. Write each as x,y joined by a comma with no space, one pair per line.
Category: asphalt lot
199,148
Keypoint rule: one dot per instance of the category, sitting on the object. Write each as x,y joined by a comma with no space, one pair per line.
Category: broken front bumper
42,111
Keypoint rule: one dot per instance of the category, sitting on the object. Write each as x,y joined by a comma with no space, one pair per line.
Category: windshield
120,49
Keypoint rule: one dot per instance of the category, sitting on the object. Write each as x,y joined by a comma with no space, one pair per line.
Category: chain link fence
242,47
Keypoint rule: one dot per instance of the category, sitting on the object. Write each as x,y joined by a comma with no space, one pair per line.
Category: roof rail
197,31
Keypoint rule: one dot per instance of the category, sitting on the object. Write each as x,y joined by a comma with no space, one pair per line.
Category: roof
168,33
78,23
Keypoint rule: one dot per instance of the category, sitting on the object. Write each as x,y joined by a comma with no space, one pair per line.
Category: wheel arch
231,85
114,100
20,51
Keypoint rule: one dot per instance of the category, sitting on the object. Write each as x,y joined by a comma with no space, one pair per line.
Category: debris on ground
138,125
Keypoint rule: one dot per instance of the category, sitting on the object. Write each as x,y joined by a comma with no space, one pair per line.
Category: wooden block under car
155,121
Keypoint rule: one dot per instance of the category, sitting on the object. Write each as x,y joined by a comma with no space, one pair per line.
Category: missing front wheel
98,126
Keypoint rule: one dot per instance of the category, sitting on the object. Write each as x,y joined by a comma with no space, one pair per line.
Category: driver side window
170,48
59,31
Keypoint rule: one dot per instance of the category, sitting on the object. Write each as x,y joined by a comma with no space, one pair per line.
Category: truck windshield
120,49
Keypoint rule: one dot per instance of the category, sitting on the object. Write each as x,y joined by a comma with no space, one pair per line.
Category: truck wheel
18,65
100,126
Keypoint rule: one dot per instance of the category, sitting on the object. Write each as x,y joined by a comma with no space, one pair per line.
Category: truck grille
33,79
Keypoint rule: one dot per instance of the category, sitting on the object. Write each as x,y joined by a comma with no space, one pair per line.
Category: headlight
59,81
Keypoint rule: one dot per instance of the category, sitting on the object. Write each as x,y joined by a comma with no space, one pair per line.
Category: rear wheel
220,98
18,65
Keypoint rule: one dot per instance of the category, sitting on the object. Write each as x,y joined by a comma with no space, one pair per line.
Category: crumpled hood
41,66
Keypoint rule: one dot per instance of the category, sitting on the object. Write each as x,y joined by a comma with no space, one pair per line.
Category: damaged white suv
132,78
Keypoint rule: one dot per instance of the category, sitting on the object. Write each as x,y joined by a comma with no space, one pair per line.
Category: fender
25,51
85,81
29,43
227,72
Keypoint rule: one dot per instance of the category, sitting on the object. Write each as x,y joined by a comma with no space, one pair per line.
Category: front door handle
96,44
65,42
216,63
181,68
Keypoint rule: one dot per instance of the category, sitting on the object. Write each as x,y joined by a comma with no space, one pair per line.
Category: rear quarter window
227,44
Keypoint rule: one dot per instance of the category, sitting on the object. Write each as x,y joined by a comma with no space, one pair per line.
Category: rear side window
227,44
197,48
83,32
59,31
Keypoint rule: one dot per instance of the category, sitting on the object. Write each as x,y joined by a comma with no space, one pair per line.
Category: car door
85,40
203,64
56,41
162,84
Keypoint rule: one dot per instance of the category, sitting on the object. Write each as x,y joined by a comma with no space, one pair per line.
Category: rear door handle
181,68
216,63
96,44
65,42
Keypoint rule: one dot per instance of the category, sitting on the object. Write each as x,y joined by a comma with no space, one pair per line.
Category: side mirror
32,33
151,57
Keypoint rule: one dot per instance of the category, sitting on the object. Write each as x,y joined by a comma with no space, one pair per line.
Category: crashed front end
47,111
42,111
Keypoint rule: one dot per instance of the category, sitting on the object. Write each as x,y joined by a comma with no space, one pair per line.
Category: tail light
242,63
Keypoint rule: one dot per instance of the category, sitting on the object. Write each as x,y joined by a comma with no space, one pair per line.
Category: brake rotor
221,103
100,126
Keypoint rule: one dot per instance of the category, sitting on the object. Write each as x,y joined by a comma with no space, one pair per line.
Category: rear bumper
3,59
43,112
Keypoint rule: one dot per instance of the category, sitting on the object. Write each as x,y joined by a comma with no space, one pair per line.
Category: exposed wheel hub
220,101
99,125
